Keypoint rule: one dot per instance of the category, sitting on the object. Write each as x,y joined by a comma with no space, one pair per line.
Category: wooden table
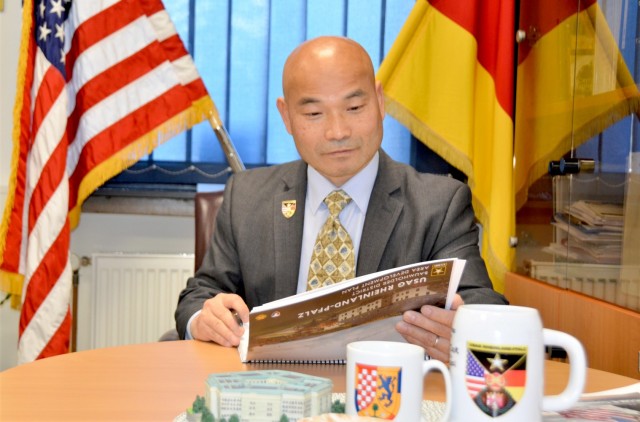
158,381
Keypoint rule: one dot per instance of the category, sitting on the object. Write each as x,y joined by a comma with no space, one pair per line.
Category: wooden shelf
609,333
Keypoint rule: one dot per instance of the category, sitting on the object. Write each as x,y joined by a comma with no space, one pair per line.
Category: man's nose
337,127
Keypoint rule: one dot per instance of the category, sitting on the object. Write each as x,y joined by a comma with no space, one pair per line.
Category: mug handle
436,365
577,374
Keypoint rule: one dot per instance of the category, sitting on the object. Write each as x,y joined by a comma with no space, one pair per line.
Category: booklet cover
315,326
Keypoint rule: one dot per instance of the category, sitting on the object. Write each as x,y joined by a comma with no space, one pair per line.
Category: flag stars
57,8
60,32
43,7
44,31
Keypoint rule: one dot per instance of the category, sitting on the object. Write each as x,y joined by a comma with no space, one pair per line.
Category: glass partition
577,147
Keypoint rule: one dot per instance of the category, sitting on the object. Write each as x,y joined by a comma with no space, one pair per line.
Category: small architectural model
264,396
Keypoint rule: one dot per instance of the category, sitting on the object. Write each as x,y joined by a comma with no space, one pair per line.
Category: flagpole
225,142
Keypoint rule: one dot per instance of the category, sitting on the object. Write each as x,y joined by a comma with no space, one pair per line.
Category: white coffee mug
385,380
497,365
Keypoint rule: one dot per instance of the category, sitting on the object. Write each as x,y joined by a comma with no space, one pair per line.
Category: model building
264,396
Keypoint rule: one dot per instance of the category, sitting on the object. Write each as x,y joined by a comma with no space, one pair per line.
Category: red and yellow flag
449,79
572,83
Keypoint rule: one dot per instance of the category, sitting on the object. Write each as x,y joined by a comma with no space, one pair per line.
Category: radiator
134,296
612,283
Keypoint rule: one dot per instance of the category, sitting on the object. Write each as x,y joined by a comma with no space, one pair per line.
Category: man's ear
284,113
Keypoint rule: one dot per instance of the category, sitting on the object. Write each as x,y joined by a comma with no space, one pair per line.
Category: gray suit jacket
255,250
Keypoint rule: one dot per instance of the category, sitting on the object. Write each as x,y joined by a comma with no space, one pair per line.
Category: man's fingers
217,321
208,327
209,332
410,328
439,316
424,320
224,320
235,302
429,328
436,347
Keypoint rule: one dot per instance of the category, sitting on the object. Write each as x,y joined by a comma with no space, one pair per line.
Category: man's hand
217,323
430,328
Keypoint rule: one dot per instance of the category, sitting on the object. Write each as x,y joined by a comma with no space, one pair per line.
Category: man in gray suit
270,217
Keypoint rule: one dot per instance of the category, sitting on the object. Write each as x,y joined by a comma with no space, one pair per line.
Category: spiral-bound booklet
316,326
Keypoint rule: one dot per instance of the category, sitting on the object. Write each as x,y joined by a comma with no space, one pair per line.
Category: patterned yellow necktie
332,259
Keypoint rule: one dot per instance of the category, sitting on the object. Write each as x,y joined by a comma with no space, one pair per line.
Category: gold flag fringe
628,103
495,266
430,138
629,106
9,282
198,112
459,160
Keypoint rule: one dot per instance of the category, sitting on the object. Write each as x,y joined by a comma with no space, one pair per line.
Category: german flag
449,78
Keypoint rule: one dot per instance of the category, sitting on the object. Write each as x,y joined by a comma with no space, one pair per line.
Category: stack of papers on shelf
589,232
598,214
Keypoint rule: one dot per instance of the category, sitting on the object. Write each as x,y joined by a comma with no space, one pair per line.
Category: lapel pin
289,208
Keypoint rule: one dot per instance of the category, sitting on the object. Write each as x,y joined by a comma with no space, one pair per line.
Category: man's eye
312,114
355,108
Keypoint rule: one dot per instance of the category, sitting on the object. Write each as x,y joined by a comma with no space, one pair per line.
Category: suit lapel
288,231
384,210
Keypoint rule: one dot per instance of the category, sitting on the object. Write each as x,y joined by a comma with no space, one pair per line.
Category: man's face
495,381
334,111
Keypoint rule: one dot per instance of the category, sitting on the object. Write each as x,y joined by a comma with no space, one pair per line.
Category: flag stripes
100,85
545,16
474,385
44,260
487,23
149,74
474,375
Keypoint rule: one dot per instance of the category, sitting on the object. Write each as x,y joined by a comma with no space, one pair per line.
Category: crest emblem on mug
378,390
496,376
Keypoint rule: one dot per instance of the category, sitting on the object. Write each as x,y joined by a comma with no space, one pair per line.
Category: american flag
474,375
101,83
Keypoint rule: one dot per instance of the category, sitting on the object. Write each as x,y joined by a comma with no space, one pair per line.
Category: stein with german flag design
497,365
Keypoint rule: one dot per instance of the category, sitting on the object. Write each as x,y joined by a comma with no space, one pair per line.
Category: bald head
332,106
326,55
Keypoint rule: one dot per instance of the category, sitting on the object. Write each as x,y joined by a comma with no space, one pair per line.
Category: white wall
96,232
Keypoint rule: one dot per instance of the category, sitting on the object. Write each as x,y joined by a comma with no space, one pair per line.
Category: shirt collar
359,187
